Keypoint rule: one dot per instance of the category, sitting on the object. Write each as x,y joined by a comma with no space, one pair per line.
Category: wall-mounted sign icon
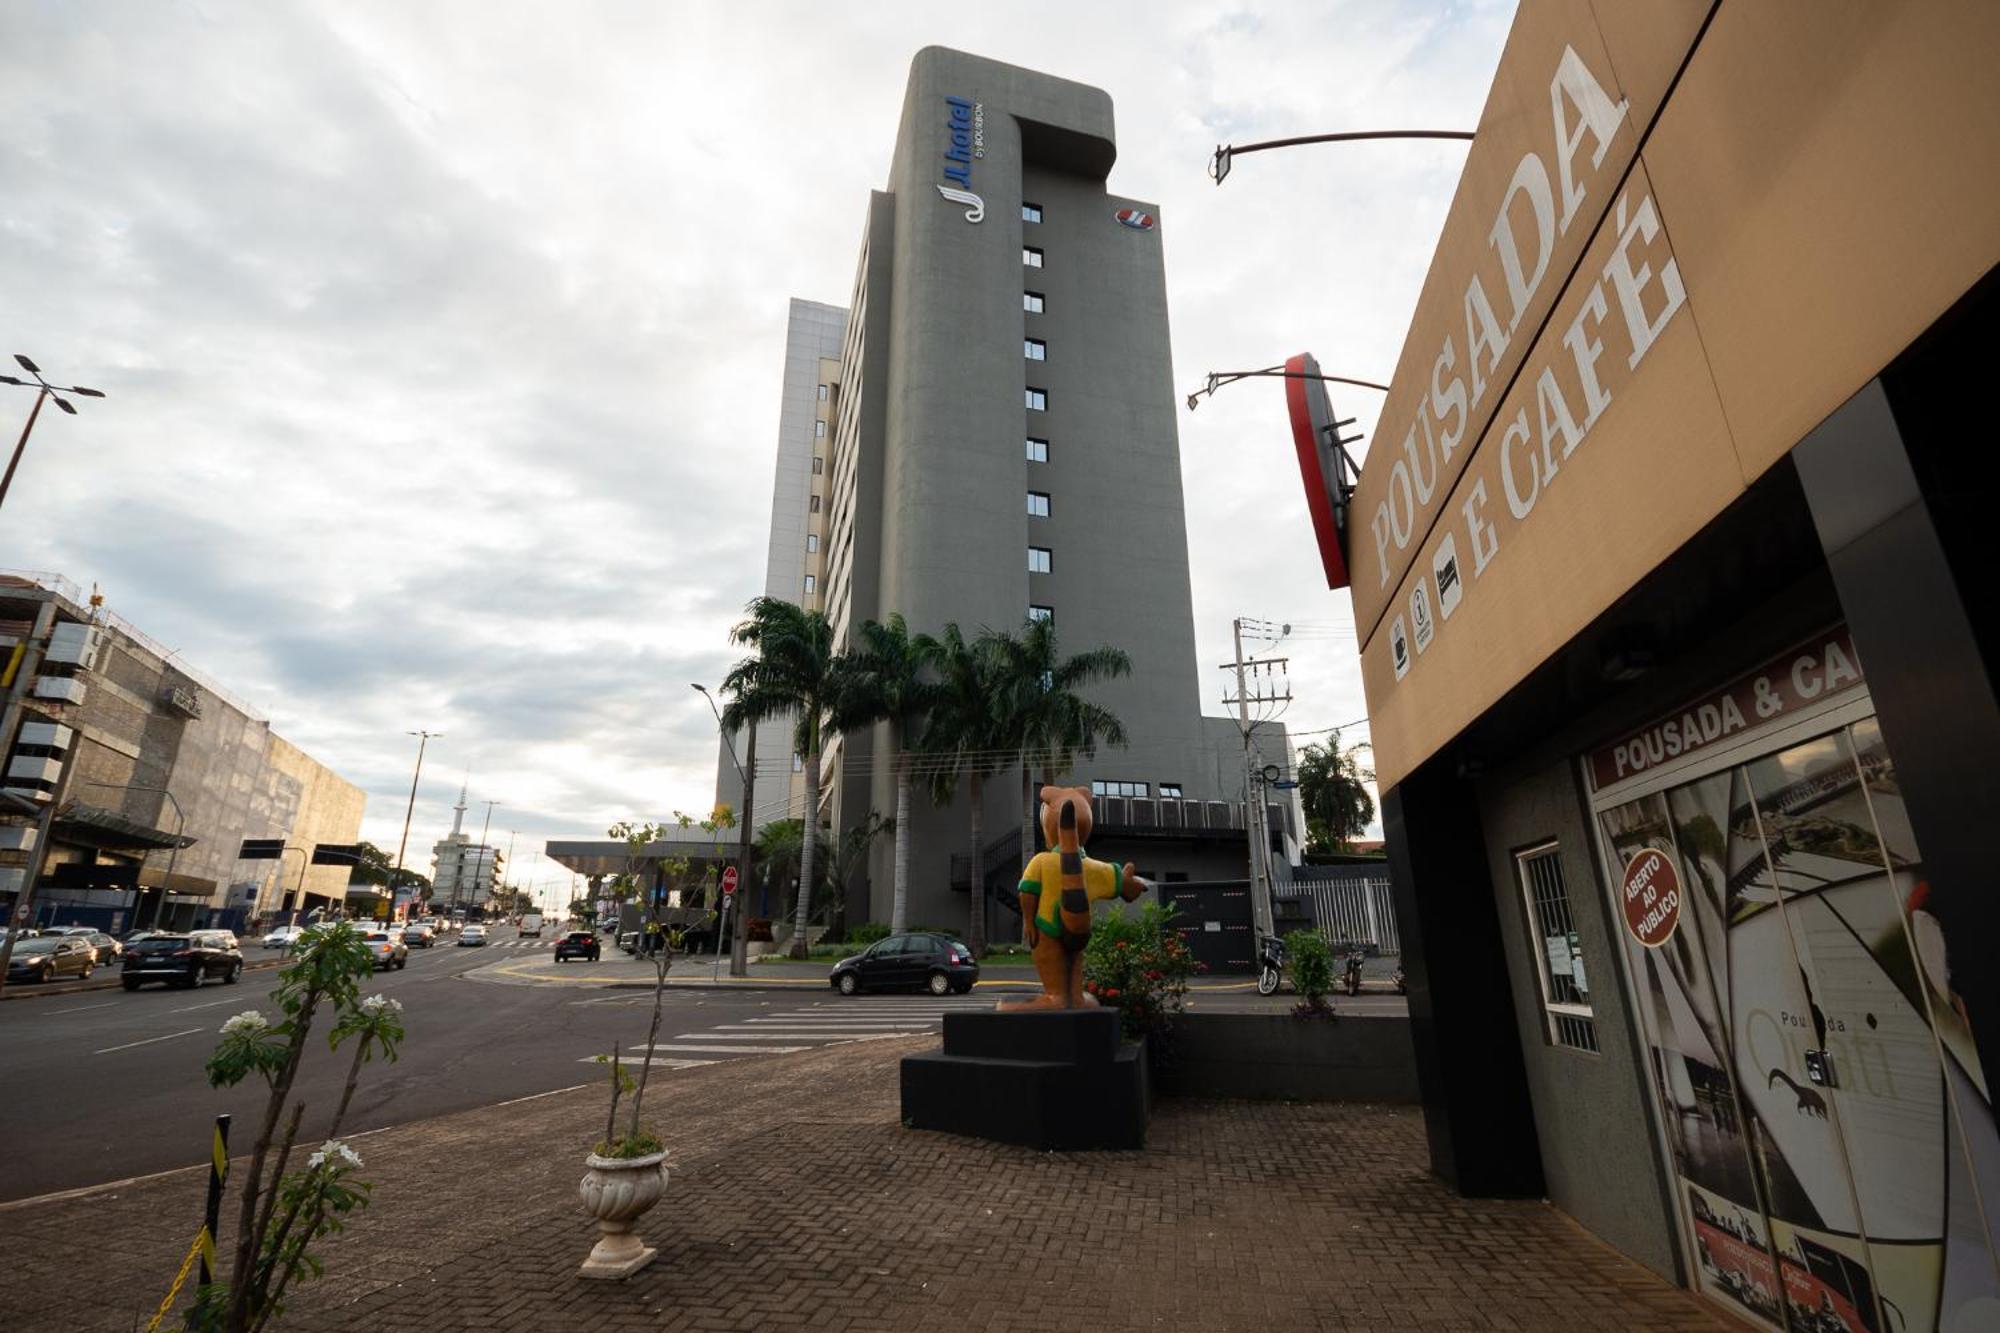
1135,219
975,206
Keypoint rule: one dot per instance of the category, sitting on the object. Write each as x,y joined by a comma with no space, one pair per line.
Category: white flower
375,1005
249,1023
336,1149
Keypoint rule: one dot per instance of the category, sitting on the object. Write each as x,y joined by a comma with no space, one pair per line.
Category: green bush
1310,958
1137,963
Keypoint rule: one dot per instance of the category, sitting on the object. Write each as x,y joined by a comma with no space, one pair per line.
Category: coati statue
1057,888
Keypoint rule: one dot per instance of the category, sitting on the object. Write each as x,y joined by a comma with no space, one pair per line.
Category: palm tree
885,678
793,668
1045,719
963,739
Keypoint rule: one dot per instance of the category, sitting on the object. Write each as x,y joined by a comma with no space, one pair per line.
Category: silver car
388,948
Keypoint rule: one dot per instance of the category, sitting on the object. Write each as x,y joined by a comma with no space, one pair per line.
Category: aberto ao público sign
965,142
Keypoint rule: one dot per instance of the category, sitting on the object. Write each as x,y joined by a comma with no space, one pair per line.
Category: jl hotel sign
1592,372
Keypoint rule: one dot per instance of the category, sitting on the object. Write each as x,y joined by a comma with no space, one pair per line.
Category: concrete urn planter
618,1191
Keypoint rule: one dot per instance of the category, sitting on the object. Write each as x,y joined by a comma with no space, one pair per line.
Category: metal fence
1352,911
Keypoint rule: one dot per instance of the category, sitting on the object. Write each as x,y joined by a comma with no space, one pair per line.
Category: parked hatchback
919,960
183,959
50,957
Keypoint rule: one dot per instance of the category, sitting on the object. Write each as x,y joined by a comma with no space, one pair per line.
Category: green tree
888,677
1333,787
792,668
1047,722
378,867
966,738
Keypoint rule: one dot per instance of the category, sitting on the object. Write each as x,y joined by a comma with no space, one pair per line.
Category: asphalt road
104,1085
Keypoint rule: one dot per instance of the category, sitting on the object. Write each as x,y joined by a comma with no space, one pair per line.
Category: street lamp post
44,391
423,738
1218,165
180,826
739,943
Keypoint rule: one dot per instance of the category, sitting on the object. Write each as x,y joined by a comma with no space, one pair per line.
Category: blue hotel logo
965,129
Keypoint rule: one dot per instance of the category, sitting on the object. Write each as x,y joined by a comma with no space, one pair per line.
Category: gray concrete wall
1276,1056
1592,1114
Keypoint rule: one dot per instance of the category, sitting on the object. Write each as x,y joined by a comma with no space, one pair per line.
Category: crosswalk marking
727,1050
815,1038
832,1022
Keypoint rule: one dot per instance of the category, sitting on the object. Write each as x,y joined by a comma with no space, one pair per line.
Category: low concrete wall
1277,1056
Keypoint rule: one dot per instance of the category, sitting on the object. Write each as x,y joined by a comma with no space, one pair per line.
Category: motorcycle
1352,981
1270,965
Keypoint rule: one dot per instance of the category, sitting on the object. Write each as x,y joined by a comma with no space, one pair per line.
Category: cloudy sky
443,340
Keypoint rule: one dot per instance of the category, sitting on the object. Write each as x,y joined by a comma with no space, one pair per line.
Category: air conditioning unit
50,735
62,689
76,644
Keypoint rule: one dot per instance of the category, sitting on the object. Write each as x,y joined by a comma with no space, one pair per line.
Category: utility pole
1270,703
482,848
423,738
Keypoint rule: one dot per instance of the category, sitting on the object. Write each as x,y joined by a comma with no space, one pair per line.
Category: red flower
1111,992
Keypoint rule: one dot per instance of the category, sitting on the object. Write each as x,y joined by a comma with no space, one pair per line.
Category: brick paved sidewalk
799,1201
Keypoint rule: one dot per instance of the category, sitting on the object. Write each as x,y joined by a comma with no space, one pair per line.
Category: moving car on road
474,933
917,960
284,937
48,957
108,949
419,936
182,959
577,944
388,948
531,925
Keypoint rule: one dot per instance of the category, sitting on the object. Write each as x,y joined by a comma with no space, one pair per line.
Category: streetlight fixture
1218,166
739,941
44,391
423,738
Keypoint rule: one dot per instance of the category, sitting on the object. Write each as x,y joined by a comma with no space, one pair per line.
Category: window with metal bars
1558,951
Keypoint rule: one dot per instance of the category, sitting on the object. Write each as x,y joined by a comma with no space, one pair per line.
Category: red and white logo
1135,219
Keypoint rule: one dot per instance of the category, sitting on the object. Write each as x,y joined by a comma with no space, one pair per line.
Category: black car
183,959
919,960
48,957
577,944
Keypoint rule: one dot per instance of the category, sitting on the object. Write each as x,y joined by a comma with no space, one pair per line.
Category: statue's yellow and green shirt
1043,878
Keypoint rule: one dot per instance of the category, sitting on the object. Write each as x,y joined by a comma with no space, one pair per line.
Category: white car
284,937
472,934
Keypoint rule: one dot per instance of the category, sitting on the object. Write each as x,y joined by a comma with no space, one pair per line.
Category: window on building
822,393
812,585
1037,399
1042,613
819,430
798,763
819,464
1558,953
1031,256
1099,787
1038,504
1038,559
1170,790
1031,212
1034,349
814,506
1033,302
812,542
1038,450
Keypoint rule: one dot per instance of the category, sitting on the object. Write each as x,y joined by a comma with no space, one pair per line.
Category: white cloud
443,340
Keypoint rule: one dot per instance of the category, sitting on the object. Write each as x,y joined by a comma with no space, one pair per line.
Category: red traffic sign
728,880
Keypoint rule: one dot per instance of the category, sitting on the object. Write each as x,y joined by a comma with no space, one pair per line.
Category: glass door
1824,1110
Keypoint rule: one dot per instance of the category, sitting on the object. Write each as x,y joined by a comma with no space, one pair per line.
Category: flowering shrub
1137,963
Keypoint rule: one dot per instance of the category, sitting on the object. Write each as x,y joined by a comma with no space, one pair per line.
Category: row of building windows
1100,787
1037,400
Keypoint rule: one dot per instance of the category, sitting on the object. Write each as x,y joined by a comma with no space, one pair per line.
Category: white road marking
535,1096
727,1050
210,1005
753,1036
671,1063
80,1008
147,1042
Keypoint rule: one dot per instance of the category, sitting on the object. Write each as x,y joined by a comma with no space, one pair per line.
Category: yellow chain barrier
201,1241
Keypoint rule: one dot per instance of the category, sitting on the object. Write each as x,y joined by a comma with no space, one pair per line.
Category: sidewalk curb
109,982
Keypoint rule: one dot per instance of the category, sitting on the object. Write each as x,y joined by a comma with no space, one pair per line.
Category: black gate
1216,924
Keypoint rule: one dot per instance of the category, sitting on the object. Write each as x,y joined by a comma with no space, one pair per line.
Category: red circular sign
1652,894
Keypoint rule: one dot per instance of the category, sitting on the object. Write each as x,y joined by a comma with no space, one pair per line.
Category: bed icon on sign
1444,568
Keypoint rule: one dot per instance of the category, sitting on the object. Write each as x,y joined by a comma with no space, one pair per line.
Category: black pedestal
1051,1079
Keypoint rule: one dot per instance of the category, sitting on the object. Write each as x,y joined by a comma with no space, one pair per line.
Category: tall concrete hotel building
986,434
